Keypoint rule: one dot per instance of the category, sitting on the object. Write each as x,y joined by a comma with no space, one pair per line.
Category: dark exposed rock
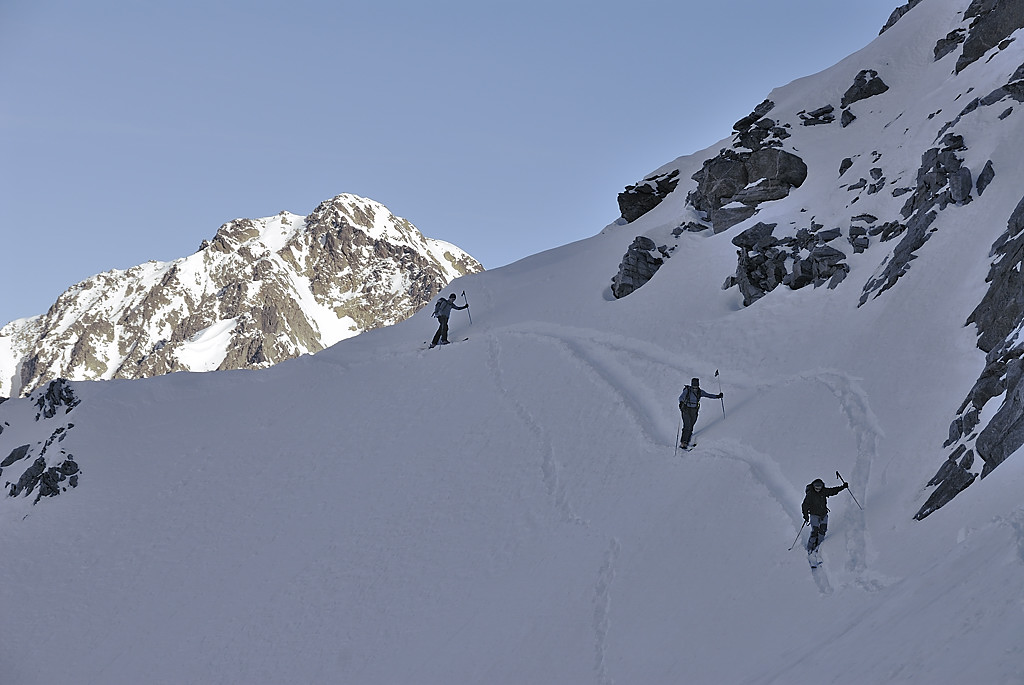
58,393
17,454
822,115
765,262
1002,308
992,22
746,178
998,317
951,479
946,45
898,14
845,165
865,85
941,180
988,173
755,131
1004,433
689,226
847,118
759,111
637,200
859,239
638,266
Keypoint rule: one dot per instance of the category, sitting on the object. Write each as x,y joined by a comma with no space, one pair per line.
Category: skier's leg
688,422
816,533
689,419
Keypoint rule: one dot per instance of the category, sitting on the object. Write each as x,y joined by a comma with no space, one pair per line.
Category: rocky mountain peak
257,293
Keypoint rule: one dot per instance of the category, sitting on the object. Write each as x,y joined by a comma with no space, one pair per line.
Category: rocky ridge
27,469
777,148
260,292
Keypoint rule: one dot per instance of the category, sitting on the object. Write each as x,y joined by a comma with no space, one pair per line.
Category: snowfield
511,509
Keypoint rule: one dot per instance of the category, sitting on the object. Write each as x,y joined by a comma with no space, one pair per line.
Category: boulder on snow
822,115
638,266
637,200
766,262
865,85
731,185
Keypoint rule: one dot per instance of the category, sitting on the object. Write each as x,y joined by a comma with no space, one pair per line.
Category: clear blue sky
132,130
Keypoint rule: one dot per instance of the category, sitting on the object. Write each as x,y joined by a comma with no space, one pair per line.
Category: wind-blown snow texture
510,510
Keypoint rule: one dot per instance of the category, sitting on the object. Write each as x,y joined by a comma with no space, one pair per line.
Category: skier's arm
704,393
829,492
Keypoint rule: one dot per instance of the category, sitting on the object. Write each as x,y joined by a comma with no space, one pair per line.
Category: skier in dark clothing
442,310
689,406
815,510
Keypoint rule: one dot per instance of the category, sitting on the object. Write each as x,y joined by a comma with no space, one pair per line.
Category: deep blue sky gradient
131,131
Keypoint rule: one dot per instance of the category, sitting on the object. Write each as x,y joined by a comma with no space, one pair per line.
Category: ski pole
467,307
848,489
720,391
679,436
797,536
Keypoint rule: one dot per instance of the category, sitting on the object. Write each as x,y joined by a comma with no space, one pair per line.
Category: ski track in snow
596,350
550,466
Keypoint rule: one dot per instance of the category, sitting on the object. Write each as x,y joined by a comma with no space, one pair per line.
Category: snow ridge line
550,466
602,610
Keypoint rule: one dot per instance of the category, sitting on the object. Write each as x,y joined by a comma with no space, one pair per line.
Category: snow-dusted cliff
262,291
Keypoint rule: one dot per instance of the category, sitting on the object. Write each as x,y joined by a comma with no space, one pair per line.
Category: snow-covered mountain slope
263,290
510,509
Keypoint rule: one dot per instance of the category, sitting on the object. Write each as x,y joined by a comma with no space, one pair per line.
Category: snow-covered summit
261,291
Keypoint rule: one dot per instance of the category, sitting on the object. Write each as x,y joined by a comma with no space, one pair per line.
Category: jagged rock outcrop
898,14
822,115
866,84
732,185
637,200
766,262
992,22
638,266
998,318
42,468
942,180
261,291
756,131
911,150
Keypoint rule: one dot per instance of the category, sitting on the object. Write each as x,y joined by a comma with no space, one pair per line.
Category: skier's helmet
818,484
694,382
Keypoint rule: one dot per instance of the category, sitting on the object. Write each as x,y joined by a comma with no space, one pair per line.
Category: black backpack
691,397
437,307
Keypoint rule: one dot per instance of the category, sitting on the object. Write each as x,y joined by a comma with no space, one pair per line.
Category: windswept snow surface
511,509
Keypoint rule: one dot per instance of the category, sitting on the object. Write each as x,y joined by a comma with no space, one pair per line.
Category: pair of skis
814,556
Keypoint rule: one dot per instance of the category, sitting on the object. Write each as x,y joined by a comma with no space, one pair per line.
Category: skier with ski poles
442,310
689,407
815,510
